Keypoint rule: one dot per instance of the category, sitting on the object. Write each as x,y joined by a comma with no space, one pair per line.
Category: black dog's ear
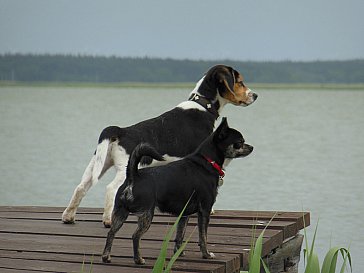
226,78
221,131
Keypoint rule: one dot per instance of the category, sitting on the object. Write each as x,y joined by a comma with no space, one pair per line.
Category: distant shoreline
184,85
100,70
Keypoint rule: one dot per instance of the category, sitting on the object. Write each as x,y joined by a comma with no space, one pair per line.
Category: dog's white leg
120,159
111,190
69,213
87,182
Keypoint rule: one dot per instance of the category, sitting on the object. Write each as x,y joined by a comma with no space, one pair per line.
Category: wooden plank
224,214
62,266
9,270
218,213
289,228
121,248
215,234
118,263
158,219
94,246
48,209
301,218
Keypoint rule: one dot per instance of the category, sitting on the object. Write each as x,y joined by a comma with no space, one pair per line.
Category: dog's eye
238,145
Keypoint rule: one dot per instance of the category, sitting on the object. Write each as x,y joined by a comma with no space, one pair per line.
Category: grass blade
83,264
312,262
178,252
329,264
252,243
313,265
254,267
347,257
266,269
91,264
330,261
159,264
256,251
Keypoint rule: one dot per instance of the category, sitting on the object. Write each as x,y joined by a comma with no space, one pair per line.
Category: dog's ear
226,79
221,131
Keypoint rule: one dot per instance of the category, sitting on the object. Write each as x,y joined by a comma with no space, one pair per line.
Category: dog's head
230,142
227,85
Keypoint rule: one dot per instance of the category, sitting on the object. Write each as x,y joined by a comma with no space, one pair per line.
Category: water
309,151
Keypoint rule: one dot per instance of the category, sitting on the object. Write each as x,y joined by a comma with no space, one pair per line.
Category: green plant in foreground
312,264
83,264
159,266
255,255
311,260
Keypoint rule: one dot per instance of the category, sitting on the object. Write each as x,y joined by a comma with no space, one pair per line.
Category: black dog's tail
141,150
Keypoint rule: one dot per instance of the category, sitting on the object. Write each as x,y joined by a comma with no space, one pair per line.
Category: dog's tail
141,150
101,153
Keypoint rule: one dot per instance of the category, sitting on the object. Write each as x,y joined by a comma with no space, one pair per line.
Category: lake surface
309,151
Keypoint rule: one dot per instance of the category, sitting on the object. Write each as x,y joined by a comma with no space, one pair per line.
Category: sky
255,30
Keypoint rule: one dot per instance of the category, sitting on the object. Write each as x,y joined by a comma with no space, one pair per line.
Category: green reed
312,264
160,264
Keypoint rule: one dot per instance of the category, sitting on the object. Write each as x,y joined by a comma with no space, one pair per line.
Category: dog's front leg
180,234
203,222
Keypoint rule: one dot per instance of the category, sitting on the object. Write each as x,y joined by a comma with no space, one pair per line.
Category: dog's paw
212,212
209,255
107,223
68,216
139,260
106,258
68,219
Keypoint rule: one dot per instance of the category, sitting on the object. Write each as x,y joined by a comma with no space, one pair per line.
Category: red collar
216,166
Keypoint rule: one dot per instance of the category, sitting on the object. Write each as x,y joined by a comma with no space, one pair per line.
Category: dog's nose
250,147
255,96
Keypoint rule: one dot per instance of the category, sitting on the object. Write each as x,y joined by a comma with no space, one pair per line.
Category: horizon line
110,56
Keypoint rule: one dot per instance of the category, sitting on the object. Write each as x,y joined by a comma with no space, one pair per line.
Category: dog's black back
195,125
169,187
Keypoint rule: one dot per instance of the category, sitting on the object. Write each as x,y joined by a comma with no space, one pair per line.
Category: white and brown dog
174,134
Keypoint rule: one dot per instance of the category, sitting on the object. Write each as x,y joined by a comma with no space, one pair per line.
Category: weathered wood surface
33,239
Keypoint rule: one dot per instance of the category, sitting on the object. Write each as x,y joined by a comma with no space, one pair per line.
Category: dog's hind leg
180,234
120,160
118,218
144,222
87,181
68,216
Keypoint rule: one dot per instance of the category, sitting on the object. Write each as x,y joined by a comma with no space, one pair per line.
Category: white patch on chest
226,162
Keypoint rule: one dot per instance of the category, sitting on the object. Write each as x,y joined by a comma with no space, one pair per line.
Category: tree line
79,68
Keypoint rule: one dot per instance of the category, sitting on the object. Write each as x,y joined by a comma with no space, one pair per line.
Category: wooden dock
33,239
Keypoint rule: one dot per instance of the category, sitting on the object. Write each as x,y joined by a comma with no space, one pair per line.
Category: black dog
169,187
